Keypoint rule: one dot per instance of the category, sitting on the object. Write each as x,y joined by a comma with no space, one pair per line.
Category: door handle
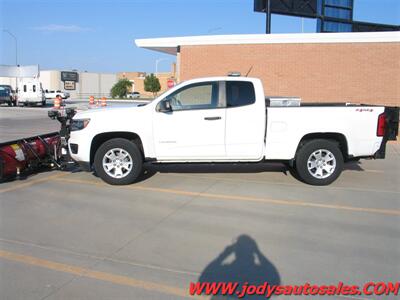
212,118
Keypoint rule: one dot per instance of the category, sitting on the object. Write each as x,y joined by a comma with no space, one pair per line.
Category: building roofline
170,45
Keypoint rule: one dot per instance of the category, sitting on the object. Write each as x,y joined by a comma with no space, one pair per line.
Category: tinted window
337,26
239,93
195,96
343,3
338,13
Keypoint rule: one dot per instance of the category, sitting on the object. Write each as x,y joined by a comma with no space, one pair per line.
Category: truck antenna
248,72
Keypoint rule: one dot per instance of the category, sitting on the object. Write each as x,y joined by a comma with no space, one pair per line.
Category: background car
54,94
7,95
133,95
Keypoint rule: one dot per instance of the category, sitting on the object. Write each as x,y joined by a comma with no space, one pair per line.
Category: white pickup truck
54,94
228,119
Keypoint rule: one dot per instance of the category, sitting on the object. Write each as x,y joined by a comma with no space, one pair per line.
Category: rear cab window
240,93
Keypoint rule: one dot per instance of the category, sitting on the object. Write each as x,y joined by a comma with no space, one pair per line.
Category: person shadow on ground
241,262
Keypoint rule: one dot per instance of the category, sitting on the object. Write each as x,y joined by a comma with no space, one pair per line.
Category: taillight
381,125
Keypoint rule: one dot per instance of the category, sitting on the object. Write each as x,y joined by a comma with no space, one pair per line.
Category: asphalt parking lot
67,235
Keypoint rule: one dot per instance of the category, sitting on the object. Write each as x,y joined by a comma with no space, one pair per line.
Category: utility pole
16,54
268,15
16,45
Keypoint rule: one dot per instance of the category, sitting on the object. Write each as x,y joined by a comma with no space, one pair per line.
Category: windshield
5,89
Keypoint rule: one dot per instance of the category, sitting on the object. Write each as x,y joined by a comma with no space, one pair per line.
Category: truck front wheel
319,162
118,161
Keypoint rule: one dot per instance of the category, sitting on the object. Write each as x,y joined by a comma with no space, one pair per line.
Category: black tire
136,157
302,162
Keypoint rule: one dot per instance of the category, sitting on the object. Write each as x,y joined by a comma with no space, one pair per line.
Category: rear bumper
5,99
30,100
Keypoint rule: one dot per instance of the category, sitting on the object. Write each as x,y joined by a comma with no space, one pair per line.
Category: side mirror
165,106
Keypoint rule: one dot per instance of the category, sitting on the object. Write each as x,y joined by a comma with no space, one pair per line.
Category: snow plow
48,151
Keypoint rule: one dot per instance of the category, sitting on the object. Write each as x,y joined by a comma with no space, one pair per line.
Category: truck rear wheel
118,161
319,162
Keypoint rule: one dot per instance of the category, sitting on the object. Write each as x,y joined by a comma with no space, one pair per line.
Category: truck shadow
353,166
242,263
216,168
193,168
199,168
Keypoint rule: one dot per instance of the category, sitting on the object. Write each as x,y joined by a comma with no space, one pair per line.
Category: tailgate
392,123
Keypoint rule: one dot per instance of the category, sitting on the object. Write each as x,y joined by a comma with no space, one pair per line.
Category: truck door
195,128
24,92
245,121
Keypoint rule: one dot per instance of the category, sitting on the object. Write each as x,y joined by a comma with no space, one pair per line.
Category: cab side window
239,93
202,95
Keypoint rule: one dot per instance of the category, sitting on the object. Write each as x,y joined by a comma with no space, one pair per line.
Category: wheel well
99,139
337,137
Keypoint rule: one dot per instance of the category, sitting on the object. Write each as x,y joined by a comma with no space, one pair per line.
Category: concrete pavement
68,235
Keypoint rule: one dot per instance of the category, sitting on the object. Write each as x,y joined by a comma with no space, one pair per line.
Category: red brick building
326,67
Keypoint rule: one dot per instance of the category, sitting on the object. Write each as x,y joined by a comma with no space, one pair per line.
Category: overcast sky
98,35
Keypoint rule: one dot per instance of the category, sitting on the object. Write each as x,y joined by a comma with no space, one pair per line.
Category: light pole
16,45
157,61
16,54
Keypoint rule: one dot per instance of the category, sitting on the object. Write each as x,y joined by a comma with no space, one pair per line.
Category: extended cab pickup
228,119
53,94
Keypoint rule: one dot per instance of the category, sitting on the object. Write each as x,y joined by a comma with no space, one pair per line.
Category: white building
84,85
78,84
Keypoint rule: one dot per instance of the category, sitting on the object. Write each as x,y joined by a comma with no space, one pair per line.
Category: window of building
239,93
330,26
34,88
195,96
25,88
338,13
342,3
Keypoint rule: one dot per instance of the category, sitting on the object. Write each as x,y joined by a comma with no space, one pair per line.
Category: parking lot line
102,276
103,258
18,185
280,183
241,198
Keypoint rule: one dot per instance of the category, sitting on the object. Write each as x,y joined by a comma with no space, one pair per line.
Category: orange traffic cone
57,103
103,101
91,100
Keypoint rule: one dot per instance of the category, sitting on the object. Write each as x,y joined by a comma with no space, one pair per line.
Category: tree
121,88
152,84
